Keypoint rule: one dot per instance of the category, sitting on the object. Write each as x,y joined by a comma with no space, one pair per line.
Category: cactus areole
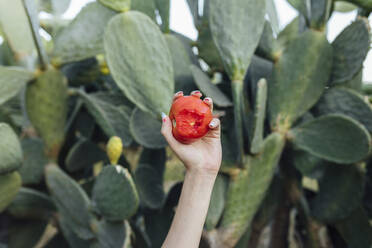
190,118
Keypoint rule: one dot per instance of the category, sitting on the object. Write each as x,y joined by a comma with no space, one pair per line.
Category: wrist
201,173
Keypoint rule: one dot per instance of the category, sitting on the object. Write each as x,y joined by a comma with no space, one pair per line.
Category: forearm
188,222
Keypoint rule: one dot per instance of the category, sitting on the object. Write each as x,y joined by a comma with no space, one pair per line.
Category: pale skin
202,160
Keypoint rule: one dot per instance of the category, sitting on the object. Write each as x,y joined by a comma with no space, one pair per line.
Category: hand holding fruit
193,133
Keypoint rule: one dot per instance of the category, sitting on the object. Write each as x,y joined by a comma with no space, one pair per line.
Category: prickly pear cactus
83,162
46,103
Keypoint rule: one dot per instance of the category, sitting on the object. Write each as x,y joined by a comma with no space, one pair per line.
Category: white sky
181,21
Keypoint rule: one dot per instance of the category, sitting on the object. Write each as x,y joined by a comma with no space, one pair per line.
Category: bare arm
202,160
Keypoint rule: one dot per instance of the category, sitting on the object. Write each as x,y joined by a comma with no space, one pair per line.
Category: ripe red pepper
190,118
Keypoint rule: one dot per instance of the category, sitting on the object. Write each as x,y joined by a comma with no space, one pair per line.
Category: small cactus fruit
46,103
114,149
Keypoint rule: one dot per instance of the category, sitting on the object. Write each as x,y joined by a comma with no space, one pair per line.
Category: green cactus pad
163,7
340,192
111,116
356,83
333,137
70,236
146,130
46,105
366,4
236,28
140,61
11,154
26,233
248,188
145,6
34,161
83,37
347,102
217,202
71,201
86,149
299,78
118,5
308,164
149,176
320,13
208,88
9,186
207,48
181,62
12,80
194,9
267,43
289,33
355,229
350,49
114,193
33,204
259,68
112,234
259,117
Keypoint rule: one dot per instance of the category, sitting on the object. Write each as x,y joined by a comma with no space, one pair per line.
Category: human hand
203,155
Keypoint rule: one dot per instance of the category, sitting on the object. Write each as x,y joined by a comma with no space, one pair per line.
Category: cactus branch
237,90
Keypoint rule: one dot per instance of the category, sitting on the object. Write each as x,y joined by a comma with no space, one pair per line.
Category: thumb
166,130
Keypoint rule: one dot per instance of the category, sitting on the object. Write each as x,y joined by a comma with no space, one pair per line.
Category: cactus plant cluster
82,160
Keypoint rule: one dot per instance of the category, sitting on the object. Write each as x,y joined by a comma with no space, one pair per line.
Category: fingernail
212,124
179,92
195,92
163,116
207,99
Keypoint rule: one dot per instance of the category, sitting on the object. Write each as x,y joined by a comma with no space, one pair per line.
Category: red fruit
190,118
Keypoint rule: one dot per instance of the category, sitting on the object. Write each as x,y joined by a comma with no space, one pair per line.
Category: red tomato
190,118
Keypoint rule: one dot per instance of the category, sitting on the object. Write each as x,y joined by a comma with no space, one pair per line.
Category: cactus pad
34,161
114,193
333,137
149,176
248,188
299,78
340,193
12,80
140,61
118,5
350,49
46,102
236,28
208,88
111,116
146,130
33,204
10,184
11,154
347,102
83,37
71,201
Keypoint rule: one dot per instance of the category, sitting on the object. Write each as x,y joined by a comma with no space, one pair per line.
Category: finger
209,102
166,131
196,93
177,95
215,126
